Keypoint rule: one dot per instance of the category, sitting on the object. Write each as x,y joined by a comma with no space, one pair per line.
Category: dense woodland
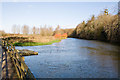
104,27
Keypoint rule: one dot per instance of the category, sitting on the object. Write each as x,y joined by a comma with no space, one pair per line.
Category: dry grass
28,38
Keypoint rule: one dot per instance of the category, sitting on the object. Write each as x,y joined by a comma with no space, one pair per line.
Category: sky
65,14
59,0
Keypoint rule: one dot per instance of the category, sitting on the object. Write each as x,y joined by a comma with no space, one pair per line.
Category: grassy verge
36,43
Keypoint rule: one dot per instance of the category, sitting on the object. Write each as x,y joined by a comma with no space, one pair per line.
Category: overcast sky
65,14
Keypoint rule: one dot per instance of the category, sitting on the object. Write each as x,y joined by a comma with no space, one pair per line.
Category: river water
74,58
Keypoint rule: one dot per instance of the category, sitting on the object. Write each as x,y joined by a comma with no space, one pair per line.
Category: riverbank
103,27
31,40
36,43
16,67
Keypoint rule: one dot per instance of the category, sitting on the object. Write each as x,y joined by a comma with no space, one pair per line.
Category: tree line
43,30
2,32
103,27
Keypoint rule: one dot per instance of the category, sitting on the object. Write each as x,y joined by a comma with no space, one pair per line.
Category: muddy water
74,58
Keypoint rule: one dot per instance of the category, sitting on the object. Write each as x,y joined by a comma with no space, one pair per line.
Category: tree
33,30
57,30
14,29
93,18
45,31
42,31
50,31
25,29
106,11
37,31
83,22
18,29
2,33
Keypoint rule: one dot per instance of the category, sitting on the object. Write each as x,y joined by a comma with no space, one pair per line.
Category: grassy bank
31,40
36,43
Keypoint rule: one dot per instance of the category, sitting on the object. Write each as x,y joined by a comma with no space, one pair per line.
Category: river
74,58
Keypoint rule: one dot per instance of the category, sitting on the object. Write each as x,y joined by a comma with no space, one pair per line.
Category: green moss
36,43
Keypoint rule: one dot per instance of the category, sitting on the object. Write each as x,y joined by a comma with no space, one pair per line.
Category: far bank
104,27
32,40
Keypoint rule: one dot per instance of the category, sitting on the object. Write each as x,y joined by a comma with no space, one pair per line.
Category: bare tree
2,33
45,31
33,30
25,29
37,30
50,31
57,30
18,29
42,31
14,29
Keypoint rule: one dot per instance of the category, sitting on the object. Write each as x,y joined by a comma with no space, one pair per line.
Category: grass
36,43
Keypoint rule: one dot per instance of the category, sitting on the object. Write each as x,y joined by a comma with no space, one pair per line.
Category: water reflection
74,58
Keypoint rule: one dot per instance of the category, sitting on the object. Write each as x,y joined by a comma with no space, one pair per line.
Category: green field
36,43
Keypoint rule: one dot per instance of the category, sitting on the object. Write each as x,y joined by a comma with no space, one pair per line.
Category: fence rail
22,69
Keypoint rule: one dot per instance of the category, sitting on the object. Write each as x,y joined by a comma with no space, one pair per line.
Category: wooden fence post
11,52
4,43
8,50
20,66
14,49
